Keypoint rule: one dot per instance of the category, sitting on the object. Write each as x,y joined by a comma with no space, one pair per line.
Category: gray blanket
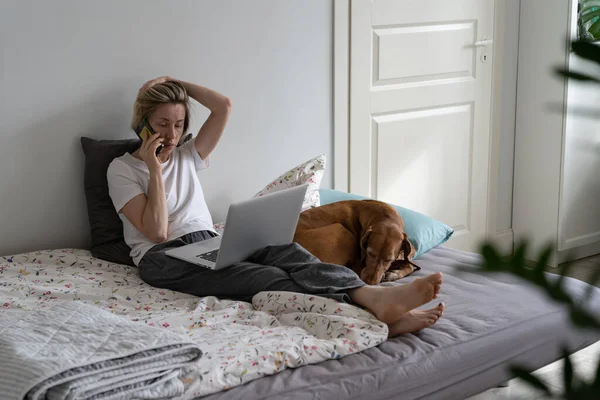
76,351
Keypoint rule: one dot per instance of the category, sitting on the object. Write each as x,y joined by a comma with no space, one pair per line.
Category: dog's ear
406,249
364,239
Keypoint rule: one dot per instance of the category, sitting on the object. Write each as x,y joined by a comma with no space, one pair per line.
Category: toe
435,279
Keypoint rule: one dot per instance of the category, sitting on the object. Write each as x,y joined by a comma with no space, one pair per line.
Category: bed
332,352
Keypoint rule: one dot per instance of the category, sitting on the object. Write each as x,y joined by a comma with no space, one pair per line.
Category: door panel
430,141
392,47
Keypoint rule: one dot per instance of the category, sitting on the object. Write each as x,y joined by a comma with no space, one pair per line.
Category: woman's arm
149,213
212,129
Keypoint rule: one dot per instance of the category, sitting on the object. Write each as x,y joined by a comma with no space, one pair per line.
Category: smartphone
145,131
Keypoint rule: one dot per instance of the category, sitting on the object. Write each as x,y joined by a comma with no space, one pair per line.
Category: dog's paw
395,274
391,276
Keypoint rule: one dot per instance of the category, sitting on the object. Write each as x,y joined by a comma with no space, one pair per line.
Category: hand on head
152,82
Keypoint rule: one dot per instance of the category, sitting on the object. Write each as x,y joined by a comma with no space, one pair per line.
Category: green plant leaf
530,379
490,254
596,383
576,75
587,50
594,29
589,291
556,290
583,319
567,372
565,268
587,4
520,252
589,16
518,262
538,274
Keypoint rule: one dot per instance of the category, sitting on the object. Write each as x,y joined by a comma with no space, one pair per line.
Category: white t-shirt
128,177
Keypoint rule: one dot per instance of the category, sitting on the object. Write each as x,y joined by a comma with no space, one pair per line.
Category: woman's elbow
226,105
157,237
160,239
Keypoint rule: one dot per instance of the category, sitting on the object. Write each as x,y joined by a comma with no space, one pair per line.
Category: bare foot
416,320
392,302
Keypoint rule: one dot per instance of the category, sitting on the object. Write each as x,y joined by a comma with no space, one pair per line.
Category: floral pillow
310,172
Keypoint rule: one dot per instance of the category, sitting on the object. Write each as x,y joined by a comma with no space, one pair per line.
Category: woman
161,203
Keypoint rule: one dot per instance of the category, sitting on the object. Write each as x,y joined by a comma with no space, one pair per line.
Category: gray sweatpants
286,267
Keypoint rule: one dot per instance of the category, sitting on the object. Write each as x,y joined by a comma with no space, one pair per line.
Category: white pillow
310,172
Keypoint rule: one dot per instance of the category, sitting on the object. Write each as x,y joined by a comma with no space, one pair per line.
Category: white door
420,88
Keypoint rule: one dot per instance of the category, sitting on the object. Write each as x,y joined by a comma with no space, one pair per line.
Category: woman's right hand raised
148,152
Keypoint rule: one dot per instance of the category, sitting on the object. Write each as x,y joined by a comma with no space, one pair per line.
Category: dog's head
381,245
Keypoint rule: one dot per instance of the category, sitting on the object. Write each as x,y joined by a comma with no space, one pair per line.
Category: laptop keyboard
210,256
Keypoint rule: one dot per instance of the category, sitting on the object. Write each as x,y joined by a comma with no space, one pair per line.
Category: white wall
540,121
557,138
579,212
579,215
73,68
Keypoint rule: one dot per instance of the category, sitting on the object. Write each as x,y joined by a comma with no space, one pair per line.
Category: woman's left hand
153,82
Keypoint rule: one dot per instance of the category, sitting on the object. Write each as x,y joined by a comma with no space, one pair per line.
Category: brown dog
365,235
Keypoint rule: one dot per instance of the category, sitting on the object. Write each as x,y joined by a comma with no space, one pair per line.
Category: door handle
483,42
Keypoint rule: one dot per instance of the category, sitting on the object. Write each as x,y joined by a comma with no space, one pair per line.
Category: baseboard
576,253
504,241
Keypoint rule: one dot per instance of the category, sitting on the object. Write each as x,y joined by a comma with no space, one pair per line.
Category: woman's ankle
363,296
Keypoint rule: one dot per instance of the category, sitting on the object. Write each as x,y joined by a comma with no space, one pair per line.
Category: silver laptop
251,225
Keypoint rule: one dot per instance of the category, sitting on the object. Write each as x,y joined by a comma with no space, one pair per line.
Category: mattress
490,322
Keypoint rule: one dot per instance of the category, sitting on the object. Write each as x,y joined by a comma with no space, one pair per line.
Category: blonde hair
161,93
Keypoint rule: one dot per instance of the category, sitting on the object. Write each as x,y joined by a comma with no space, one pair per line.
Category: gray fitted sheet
490,322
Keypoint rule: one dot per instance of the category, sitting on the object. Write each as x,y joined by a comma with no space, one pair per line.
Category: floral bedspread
241,341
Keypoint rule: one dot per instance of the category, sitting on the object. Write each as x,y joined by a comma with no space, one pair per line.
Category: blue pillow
423,232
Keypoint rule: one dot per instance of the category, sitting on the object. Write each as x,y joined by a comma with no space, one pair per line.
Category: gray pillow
106,227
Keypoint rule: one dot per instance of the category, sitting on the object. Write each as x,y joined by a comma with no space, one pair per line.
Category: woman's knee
154,271
149,274
283,254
